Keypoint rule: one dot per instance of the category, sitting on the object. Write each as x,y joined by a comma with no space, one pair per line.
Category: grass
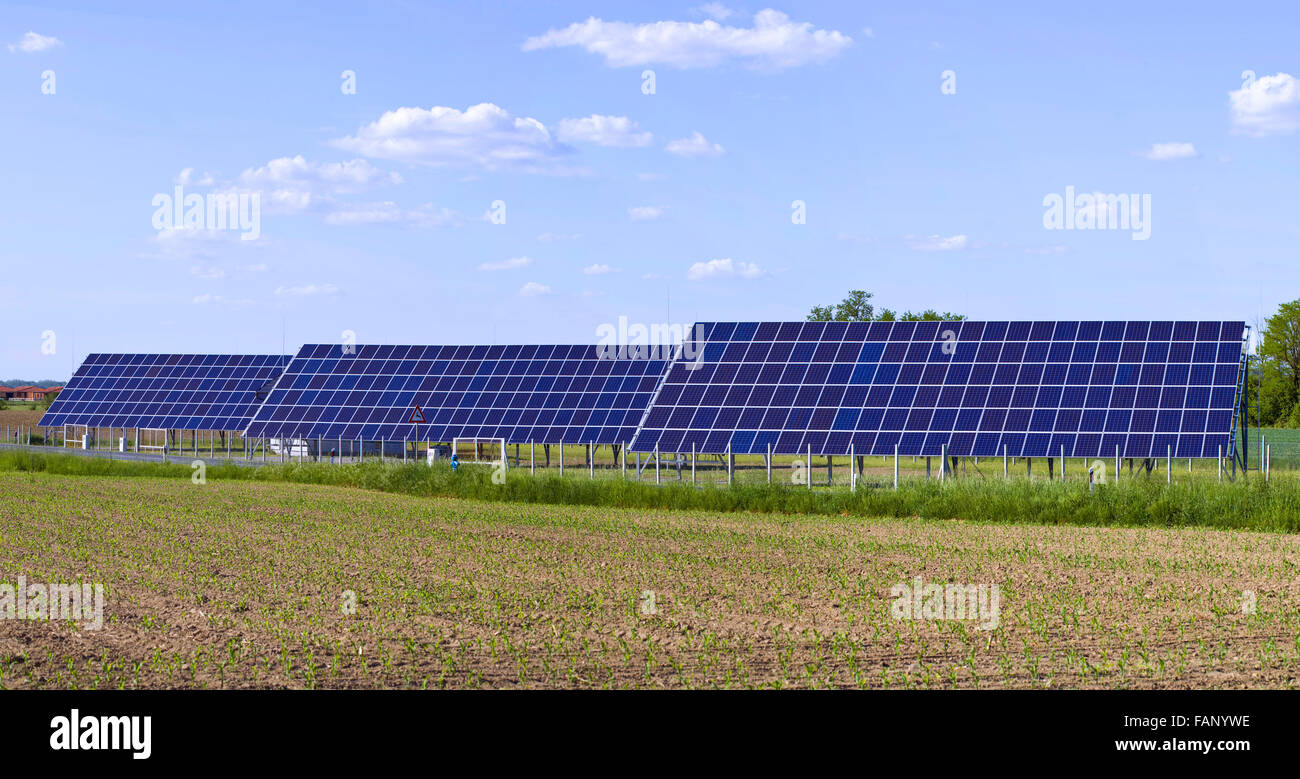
1135,502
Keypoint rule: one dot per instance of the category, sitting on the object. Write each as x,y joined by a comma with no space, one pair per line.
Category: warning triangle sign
417,416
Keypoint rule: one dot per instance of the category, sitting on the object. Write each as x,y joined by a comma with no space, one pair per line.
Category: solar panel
165,391
1031,389
542,394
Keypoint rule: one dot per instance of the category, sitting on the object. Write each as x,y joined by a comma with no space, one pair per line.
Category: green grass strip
1139,502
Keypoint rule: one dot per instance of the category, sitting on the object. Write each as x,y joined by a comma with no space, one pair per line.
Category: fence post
1220,461
1169,465
657,464
769,463
943,463
808,469
1006,463
532,458
623,449
729,464
895,466
591,461
853,470
692,463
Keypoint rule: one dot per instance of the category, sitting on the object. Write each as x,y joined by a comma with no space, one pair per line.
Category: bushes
1253,505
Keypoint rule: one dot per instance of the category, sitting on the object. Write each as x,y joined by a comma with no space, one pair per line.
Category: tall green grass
1252,505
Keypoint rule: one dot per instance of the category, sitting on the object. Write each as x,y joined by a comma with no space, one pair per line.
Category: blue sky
922,138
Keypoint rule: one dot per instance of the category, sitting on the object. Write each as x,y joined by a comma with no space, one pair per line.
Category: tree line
857,307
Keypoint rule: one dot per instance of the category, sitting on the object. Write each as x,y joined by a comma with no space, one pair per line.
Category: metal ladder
1241,404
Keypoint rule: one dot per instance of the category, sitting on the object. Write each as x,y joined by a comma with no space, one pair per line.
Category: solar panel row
165,391
979,388
546,394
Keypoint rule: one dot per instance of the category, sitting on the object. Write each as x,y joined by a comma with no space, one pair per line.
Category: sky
528,172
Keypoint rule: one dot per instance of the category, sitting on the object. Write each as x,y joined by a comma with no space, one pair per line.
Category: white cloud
297,173
296,185
186,179
210,299
937,243
716,11
211,273
853,237
600,130
510,264
32,42
723,269
1268,106
695,146
533,289
598,269
197,244
1170,151
260,267
1058,249
773,43
482,136
867,31
650,177
307,290
645,213
553,237
389,212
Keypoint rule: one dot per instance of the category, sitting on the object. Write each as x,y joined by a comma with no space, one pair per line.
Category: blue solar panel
1030,389
542,394
216,392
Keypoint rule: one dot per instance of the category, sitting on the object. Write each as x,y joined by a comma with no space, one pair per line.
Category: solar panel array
1030,389
543,394
165,391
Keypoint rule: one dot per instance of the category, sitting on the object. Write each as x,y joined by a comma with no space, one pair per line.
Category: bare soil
277,585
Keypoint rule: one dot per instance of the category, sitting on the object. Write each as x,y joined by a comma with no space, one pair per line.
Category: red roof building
27,392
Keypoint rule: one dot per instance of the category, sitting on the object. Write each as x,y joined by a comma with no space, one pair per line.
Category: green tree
1271,392
1273,386
928,315
857,307
1280,344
